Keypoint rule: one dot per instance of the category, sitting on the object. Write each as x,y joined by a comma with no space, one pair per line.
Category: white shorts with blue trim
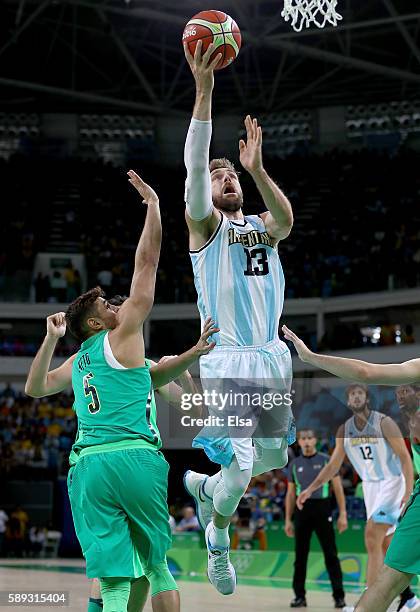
260,368
383,500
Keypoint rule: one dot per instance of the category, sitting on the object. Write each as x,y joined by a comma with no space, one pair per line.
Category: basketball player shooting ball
402,560
239,279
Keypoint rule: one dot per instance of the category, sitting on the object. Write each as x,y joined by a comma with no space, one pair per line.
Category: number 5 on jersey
95,404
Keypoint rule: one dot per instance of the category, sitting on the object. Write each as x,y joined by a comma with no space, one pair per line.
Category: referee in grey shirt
314,517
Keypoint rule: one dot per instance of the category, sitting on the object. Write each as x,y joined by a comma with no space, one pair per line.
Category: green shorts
120,511
404,551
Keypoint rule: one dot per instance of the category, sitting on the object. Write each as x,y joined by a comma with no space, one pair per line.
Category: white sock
219,537
211,484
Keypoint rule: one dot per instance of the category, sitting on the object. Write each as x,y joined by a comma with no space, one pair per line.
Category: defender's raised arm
136,308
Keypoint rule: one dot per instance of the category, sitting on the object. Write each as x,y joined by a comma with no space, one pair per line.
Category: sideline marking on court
275,581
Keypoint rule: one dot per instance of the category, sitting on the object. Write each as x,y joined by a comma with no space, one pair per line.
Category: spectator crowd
36,435
357,223
19,537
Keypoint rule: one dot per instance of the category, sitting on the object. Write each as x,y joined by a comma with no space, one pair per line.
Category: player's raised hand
303,497
147,193
202,66
56,325
250,152
301,348
203,346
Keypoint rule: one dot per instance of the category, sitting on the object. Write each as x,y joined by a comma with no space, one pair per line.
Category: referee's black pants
316,516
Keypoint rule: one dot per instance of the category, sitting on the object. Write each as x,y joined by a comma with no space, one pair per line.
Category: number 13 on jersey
257,262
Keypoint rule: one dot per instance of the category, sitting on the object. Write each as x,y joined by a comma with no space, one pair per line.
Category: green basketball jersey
113,406
416,456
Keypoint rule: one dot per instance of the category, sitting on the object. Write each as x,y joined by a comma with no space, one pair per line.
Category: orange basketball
214,27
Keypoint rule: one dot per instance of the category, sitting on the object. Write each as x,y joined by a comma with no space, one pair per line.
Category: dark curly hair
306,429
80,310
117,300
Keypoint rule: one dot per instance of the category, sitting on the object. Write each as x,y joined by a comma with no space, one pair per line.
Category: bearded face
357,399
226,190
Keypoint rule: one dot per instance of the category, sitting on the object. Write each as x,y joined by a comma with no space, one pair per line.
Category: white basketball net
303,13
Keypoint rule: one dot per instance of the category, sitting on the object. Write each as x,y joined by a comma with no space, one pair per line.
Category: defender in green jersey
171,393
118,480
408,398
402,560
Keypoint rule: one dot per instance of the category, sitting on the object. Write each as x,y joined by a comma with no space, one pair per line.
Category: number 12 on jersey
90,390
366,452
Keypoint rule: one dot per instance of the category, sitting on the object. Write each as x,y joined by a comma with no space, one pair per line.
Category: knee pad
237,486
115,593
160,578
267,459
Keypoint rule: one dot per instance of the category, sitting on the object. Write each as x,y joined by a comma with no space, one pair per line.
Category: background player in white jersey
239,279
375,447
402,560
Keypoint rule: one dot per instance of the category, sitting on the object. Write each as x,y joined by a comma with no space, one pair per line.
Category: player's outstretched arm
393,435
328,471
278,220
175,394
172,392
201,216
355,369
163,373
137,306
40,381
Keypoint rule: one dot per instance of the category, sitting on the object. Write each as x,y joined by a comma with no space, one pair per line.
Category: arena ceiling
126,56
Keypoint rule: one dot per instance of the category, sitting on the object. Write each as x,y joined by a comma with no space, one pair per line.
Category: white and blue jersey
369,452
240,282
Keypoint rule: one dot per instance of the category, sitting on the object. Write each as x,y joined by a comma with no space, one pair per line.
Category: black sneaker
339,603
298,602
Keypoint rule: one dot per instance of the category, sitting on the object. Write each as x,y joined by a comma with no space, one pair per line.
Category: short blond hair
222,162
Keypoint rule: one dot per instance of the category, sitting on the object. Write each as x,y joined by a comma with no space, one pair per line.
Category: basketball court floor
197,595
